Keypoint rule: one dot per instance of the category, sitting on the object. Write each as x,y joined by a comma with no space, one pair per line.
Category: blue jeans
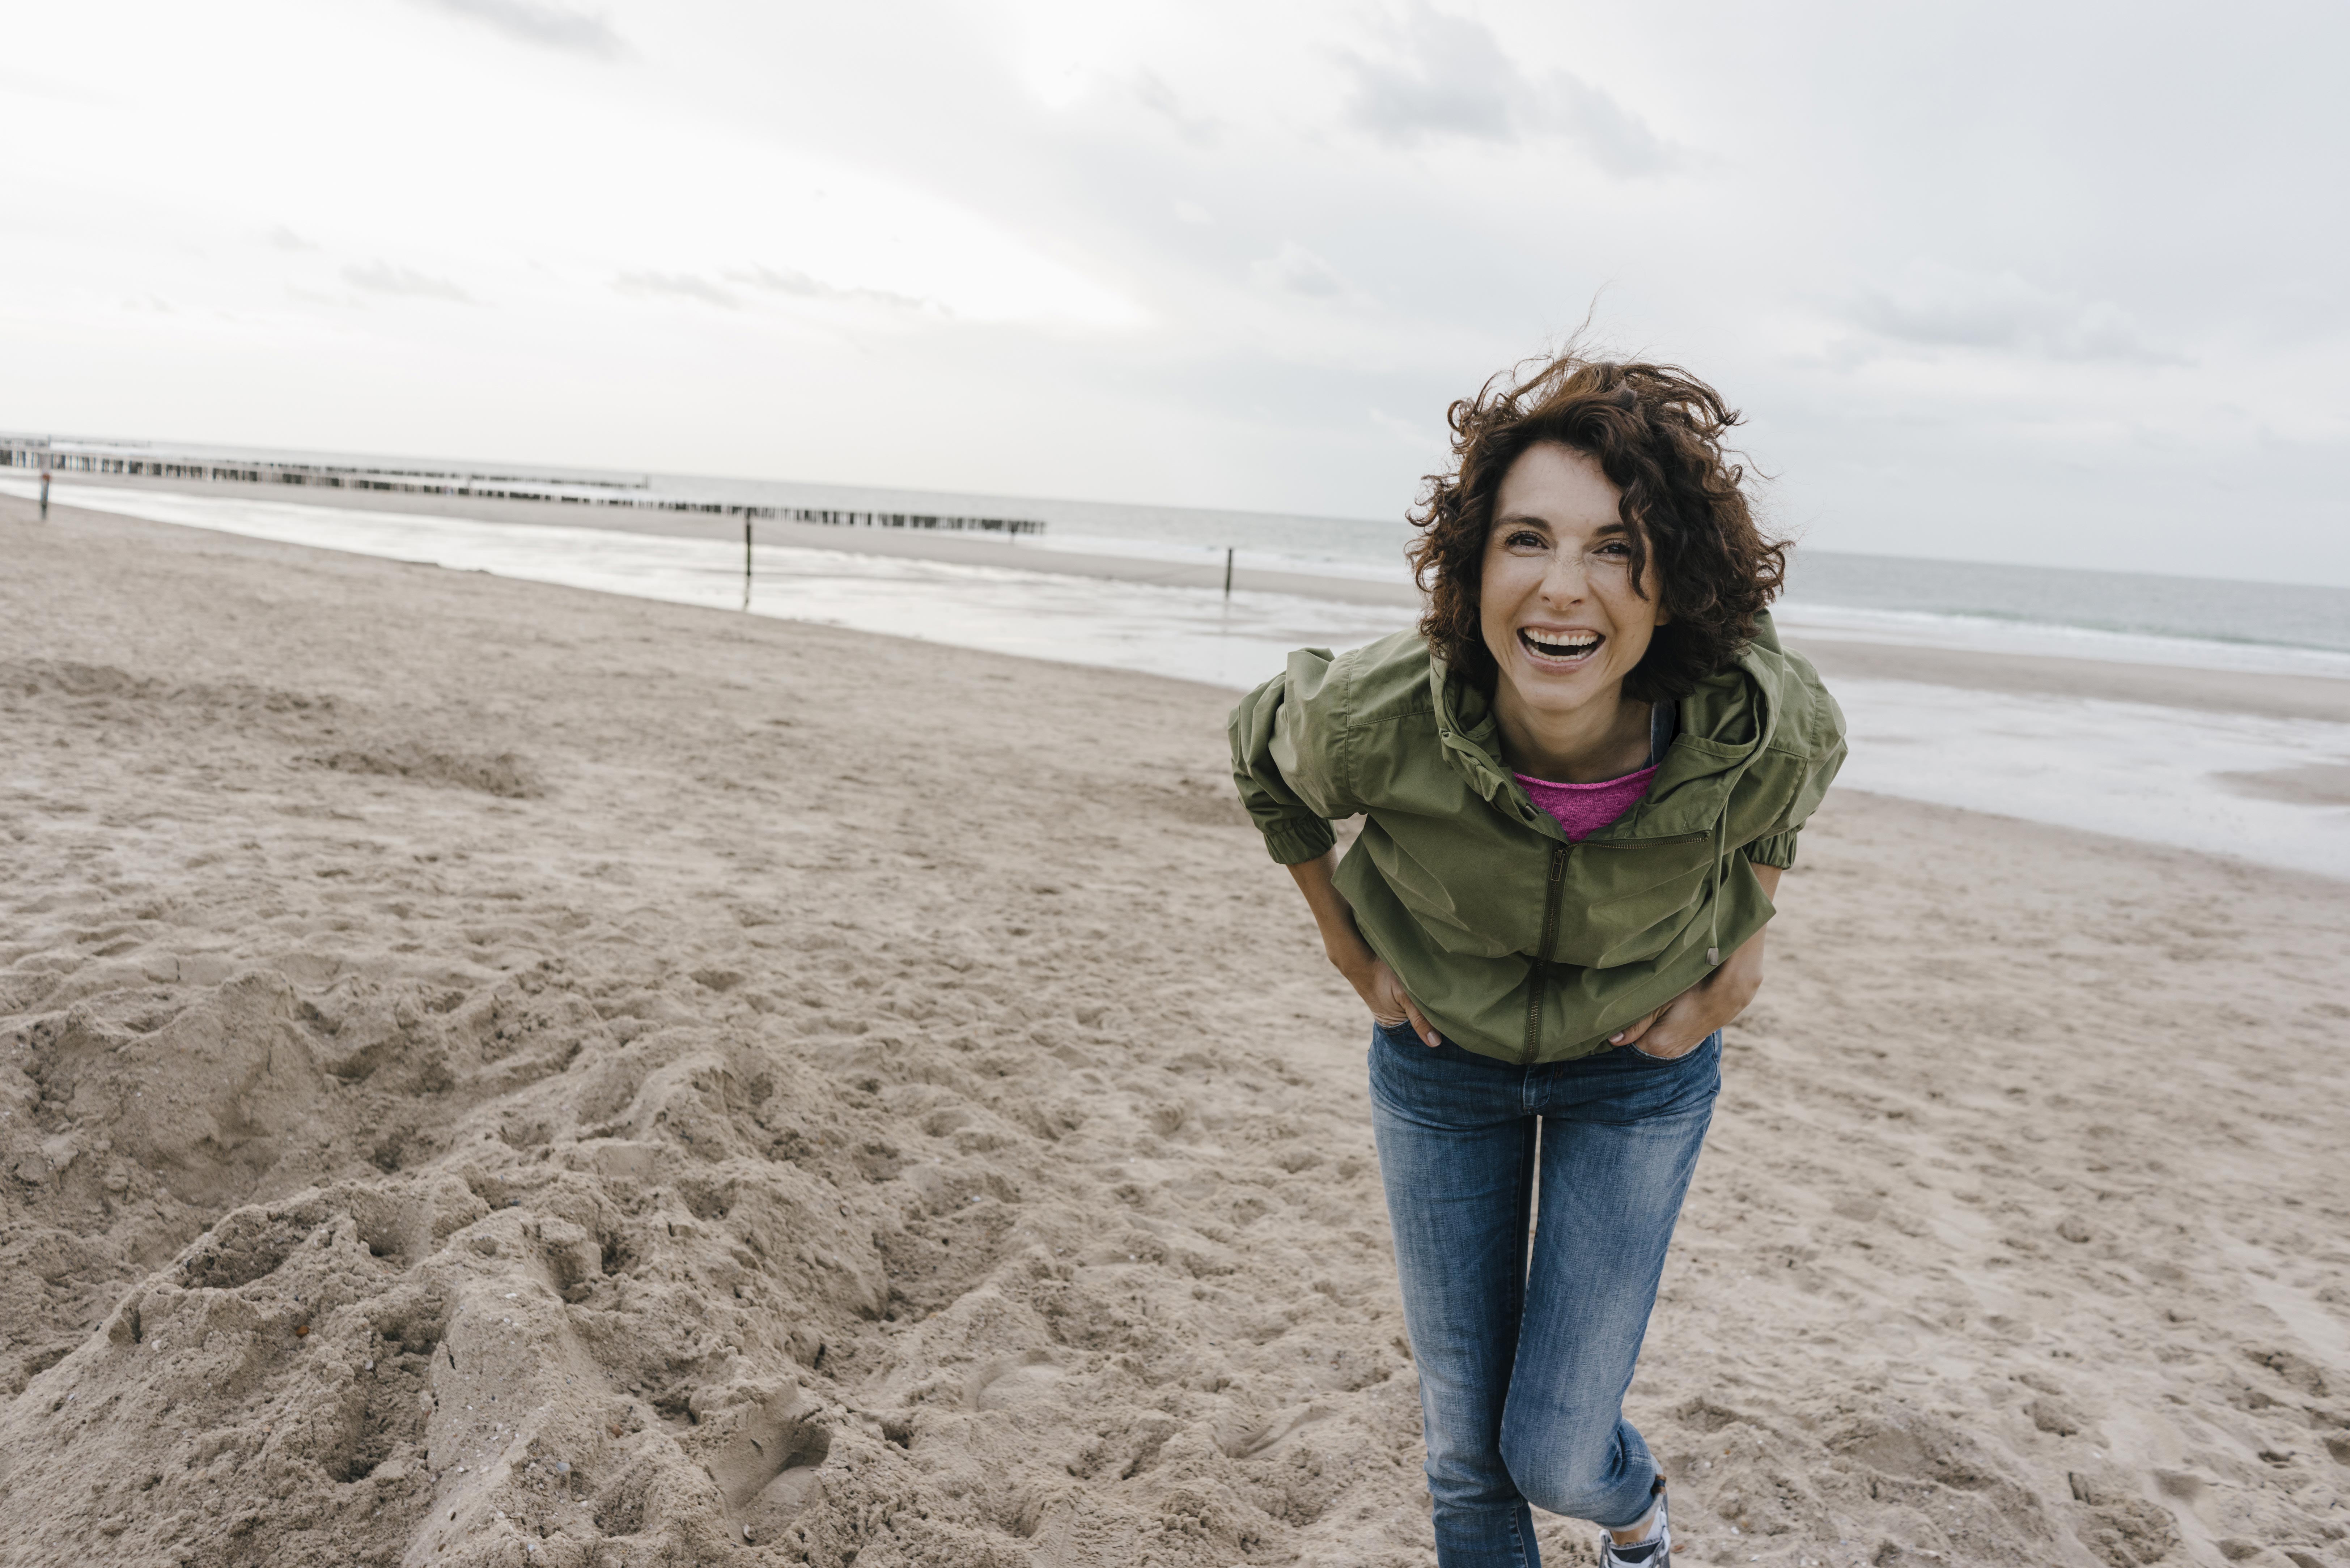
1522,1370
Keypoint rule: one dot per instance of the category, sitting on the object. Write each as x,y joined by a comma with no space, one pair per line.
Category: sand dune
497,1074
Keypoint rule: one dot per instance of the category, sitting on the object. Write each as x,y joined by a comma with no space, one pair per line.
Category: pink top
1583,809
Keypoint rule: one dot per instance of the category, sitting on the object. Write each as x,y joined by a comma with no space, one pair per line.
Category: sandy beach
962,548
1843,654
495,1074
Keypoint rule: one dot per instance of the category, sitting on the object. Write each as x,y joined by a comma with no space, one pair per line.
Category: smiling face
1557,603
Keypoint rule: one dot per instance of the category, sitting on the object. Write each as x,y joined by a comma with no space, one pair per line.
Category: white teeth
1564,643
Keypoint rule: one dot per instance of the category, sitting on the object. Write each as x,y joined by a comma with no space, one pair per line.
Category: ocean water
2126,603
2121,604
2138,770
1825,588
1147,628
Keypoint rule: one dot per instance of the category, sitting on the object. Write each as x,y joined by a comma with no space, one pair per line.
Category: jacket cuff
1294,840
1778,849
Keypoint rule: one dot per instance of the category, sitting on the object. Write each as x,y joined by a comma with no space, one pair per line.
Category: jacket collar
1725,724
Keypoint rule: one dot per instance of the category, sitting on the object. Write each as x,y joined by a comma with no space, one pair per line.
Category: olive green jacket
1515,943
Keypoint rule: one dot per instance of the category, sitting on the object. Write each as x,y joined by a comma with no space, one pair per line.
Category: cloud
1151,91
800,286
677,285
1453,79
1294,269
1943,307
787,281
1617,140
285,239
383,278
548,26
1455,82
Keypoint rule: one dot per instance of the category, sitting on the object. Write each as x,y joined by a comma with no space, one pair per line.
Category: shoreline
917,543
1838,652
420,985
2058,675
2225,760
2282,693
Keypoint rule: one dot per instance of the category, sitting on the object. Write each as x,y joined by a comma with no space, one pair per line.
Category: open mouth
1550,647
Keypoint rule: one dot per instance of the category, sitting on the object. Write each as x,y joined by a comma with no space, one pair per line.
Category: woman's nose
1564,582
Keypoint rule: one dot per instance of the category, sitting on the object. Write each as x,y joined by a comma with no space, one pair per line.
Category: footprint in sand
770,1466
1005,1384
1256,1441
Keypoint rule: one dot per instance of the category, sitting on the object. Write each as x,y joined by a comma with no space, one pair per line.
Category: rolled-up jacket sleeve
1284,761
1822,729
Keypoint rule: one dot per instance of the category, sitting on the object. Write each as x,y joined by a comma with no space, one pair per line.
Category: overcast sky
2048,283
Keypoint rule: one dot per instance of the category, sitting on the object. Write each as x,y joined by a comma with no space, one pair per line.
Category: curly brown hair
1656,431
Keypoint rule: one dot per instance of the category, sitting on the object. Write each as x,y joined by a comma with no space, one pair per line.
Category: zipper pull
1558,862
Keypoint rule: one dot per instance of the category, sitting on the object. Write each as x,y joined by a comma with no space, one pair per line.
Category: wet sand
2283,696
2164,686
497,1074
960,548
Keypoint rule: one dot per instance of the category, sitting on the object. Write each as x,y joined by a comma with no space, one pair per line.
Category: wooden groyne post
44,495
746,560
138,462
1228,571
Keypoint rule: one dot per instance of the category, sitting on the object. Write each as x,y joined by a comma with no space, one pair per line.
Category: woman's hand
1373,980
1680,1026
1383,993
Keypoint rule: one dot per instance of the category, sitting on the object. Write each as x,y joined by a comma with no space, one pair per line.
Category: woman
1581,777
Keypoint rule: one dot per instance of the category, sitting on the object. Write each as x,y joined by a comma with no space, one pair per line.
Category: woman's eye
1617,549
1527,539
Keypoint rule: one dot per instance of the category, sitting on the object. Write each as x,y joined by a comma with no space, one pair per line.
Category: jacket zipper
1646,842
1537,982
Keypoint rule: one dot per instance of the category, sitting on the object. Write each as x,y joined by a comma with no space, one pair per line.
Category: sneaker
1657,1551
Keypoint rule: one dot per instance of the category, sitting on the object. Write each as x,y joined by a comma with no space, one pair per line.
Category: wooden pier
98,459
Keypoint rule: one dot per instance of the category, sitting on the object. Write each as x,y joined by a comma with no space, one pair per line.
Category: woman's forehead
1558,488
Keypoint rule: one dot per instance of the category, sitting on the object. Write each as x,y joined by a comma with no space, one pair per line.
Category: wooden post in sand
1228,572
44,495
746,557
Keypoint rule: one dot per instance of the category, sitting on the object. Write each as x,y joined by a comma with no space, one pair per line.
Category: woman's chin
1561,687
